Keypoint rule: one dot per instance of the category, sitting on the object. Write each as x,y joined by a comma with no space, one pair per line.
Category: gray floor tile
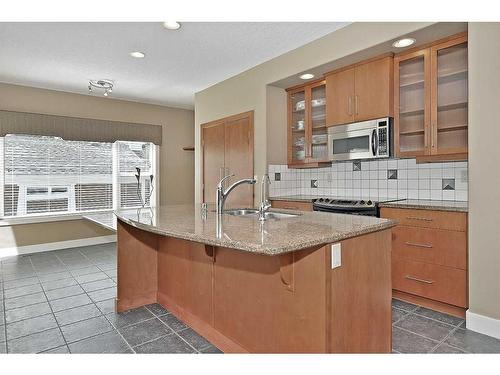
85,271
108,266
64,292
473,342
3,347
30,326
107,306
31,299
173,322
425,327
70,302
37,342
20,282
133,316
211,350
167,344
98,285
60,350
23,291
87,278
436,315
86,328
446,349
397,314
3,337
56,284
103,294
402,305
18,276
406,342
157,309
27,312
77,314
112,273
145,331
54,276
194,339
110,342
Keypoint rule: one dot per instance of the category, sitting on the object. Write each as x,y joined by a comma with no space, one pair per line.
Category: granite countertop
421,204
272,237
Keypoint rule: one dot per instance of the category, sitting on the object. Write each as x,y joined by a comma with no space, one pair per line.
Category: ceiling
64,56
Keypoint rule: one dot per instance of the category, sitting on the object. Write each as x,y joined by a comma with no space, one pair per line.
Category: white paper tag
336,255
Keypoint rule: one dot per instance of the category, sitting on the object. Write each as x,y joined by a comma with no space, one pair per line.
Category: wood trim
442,157
429,303
315,164
302,86
378,57
292,205
430,44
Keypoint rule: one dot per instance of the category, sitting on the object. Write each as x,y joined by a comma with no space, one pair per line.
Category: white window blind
132,155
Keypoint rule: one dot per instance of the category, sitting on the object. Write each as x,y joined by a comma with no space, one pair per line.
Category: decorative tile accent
356,166
314,184
277,176
392,174
448,184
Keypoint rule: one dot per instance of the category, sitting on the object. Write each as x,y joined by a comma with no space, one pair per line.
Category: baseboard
31,249
483,324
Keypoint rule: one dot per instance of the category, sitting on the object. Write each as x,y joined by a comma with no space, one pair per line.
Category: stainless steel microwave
361,140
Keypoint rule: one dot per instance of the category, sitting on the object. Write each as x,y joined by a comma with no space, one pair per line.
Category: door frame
224,120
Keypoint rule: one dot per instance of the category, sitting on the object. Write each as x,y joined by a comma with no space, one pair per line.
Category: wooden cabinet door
238,158
373,90
213,158
340,97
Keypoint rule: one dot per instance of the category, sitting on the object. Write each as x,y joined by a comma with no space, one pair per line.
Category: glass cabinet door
413,117
450,98
298,126
318,133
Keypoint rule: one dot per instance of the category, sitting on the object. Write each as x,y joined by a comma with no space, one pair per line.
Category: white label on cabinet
336,255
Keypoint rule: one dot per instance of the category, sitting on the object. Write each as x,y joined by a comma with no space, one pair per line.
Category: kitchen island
262,287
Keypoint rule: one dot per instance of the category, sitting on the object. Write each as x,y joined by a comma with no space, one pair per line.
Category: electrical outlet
336,255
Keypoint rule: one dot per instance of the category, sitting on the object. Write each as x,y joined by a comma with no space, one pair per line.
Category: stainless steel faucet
221,194
264,197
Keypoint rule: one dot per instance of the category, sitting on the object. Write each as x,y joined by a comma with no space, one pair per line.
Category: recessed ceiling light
307,76
171,25
405,42
137,54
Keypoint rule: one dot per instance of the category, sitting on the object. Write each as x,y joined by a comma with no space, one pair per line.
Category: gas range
353,206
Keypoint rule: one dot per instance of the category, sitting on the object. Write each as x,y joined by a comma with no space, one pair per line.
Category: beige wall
247,91
176,165
484,173
276,102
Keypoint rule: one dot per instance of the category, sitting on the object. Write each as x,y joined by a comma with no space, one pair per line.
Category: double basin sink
255,212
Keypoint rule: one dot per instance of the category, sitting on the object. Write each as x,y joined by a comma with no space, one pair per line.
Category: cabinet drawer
291,205
427,218
439,283
442,247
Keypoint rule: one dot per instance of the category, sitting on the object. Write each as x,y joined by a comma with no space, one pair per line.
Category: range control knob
320,200
327,200
369,203
361,202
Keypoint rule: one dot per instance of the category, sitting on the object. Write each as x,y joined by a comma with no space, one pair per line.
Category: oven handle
374,142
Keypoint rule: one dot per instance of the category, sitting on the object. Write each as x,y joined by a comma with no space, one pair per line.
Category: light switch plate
336,255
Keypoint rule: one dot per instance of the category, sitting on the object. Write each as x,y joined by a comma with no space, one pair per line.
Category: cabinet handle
356,103
349,106
418,218
412,278
419,245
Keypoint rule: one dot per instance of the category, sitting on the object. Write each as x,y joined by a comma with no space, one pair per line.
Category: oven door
348,142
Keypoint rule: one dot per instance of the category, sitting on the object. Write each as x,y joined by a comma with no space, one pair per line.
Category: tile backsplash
393,178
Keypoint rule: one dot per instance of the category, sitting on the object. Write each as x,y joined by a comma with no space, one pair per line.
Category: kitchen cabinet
431,99
360,92
292,205
227,148
429,258
307,136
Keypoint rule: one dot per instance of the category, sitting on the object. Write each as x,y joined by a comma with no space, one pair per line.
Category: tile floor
63,302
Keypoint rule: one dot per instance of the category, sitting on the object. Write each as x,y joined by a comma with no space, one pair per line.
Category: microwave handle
374,142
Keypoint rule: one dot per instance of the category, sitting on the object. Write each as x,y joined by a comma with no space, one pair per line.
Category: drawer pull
418,218
419,245
419,280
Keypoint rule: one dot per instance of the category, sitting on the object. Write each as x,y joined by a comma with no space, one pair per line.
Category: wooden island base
245,302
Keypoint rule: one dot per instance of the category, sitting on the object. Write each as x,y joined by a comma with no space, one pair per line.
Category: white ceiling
64,56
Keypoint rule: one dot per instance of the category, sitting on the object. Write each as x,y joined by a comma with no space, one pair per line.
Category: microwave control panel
383,138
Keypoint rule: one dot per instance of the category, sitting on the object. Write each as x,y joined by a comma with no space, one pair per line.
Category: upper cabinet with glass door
431,101
307,135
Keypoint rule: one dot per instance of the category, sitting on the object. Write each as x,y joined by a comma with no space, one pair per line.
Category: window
49,175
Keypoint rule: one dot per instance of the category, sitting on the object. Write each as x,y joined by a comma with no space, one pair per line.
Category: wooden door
340,97
373,89
449,97
238,158
412,117
213,157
